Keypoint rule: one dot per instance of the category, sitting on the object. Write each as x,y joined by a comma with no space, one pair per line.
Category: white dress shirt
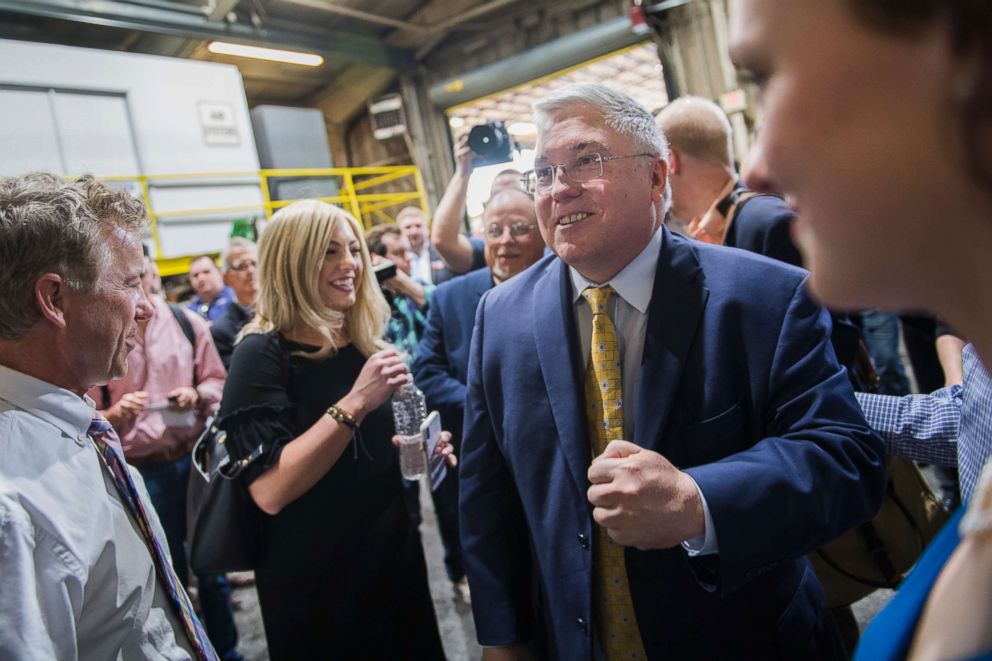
77,580
420,264
629,313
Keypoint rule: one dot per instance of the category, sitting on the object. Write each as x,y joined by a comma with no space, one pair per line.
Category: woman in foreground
344,574
878,128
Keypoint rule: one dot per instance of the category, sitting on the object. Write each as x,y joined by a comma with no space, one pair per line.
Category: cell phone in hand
384,271
430,429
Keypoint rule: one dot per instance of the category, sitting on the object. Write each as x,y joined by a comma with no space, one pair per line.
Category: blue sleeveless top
890,634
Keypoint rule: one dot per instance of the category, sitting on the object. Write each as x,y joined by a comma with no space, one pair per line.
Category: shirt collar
65,410
634,283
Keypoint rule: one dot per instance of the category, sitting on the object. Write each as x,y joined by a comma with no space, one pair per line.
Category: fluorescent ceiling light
273,54
456,122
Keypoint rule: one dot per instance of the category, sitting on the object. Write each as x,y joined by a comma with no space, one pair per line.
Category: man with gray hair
645,422
83,568
239,263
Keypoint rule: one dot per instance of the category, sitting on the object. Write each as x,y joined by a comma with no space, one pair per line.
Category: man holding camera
462,253
408,299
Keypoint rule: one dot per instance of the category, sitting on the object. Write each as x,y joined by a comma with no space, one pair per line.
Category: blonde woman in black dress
344,574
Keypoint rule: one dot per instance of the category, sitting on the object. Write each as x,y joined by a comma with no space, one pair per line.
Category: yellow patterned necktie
612,604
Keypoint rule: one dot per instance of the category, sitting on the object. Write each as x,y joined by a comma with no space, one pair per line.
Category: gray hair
501,195
52,226
619,111
236,244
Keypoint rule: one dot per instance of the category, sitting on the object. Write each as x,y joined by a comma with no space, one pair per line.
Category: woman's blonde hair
290,255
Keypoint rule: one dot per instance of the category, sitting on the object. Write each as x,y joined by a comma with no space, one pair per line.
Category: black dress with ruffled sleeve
344,574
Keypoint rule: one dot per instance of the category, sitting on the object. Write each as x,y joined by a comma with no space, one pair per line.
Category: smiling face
597,226
858,132
508,255
101,326
341,270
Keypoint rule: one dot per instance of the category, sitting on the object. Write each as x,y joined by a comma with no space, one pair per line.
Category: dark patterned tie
108,444
612,603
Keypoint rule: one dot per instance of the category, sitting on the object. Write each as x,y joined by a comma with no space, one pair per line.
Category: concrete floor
454,616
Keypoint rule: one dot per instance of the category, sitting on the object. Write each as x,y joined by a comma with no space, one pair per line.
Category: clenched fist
642,499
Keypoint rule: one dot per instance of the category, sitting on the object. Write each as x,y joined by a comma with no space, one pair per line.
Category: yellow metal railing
354,194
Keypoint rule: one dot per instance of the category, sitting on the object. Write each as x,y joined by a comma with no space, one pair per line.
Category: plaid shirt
407,323
950,426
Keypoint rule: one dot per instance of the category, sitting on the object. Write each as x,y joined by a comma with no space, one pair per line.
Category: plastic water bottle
409,411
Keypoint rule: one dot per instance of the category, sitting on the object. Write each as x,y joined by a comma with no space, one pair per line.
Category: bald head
699,128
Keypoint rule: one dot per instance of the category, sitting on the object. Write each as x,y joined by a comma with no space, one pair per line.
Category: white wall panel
27,138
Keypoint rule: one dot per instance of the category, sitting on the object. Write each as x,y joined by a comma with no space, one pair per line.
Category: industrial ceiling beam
432,32
218,9
331,44
332,8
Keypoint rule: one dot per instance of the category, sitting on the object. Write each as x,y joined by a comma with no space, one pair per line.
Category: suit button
583,540
583,627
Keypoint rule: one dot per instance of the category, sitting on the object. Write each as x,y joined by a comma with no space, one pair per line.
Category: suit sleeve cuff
706,543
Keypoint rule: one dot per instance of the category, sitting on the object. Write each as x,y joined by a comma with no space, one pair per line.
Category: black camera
384,271
491,143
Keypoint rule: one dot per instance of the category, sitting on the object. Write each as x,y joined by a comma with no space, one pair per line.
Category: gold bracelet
342,416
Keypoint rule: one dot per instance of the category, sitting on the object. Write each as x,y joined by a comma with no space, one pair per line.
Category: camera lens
490,143
484,139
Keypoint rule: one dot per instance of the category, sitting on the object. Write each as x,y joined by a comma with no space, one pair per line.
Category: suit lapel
677,303
482,285
557,349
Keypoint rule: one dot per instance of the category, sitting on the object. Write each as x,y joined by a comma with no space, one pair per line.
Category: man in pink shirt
173,383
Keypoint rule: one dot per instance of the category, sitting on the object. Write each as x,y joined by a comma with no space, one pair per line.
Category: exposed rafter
218,9
343,46
330,7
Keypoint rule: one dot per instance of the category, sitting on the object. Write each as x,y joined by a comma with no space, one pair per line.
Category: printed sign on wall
219,126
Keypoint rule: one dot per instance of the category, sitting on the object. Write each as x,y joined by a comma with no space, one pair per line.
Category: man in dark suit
512,243
656,430
240,264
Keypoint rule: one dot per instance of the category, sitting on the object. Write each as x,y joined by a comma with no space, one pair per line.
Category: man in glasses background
460,252
656,429
512,243
240,266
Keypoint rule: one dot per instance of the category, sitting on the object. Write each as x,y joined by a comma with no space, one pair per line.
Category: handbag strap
232,469
227,469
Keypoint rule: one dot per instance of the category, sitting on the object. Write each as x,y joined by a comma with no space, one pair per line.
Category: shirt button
81,439
583,540
583,627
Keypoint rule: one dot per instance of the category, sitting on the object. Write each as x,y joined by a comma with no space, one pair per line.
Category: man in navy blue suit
512,243
742,445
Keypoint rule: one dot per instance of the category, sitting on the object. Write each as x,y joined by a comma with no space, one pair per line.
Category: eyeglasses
495,230
584,168
244,266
